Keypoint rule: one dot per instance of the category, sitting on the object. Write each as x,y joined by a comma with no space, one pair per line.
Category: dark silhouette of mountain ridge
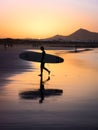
79,35
83,35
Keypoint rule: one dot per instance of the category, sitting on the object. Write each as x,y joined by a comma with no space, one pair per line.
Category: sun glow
34,19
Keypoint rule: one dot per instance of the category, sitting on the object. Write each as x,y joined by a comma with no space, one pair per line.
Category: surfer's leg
46,69
41,69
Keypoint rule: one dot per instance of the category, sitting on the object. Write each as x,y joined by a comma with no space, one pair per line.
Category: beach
73,109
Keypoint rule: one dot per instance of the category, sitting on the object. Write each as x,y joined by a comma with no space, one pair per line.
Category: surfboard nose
59,60
62,60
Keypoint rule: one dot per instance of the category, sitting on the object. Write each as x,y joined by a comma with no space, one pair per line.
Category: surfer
42,66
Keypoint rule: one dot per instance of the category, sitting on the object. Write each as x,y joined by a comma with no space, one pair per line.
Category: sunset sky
45,18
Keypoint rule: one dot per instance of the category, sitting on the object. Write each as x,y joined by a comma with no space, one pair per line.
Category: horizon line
47,37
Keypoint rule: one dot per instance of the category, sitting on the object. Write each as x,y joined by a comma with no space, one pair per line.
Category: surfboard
36,57
37,93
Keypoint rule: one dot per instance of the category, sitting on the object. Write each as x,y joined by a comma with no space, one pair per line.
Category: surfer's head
42,48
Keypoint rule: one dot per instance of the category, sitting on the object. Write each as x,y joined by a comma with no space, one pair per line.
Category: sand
74,109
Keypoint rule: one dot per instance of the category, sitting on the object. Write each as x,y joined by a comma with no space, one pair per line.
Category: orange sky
45,18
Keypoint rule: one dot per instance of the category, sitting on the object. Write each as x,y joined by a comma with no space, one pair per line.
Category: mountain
79,35
83,35
56,38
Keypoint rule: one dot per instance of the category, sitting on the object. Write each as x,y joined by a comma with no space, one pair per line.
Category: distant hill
56,37
79,35
83,35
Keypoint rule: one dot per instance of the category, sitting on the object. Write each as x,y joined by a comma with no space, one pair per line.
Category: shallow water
75,108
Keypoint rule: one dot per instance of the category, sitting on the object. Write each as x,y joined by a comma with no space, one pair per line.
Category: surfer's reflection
42,89
42,92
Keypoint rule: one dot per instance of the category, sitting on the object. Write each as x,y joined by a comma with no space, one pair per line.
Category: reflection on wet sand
76,50
76,78
41,92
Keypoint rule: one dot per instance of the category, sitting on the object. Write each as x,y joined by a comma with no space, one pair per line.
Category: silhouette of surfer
42,90
42,66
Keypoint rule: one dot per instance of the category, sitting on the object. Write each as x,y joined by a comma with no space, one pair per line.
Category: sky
46,18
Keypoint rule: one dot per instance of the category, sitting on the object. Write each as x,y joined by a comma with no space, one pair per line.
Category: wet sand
74,109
